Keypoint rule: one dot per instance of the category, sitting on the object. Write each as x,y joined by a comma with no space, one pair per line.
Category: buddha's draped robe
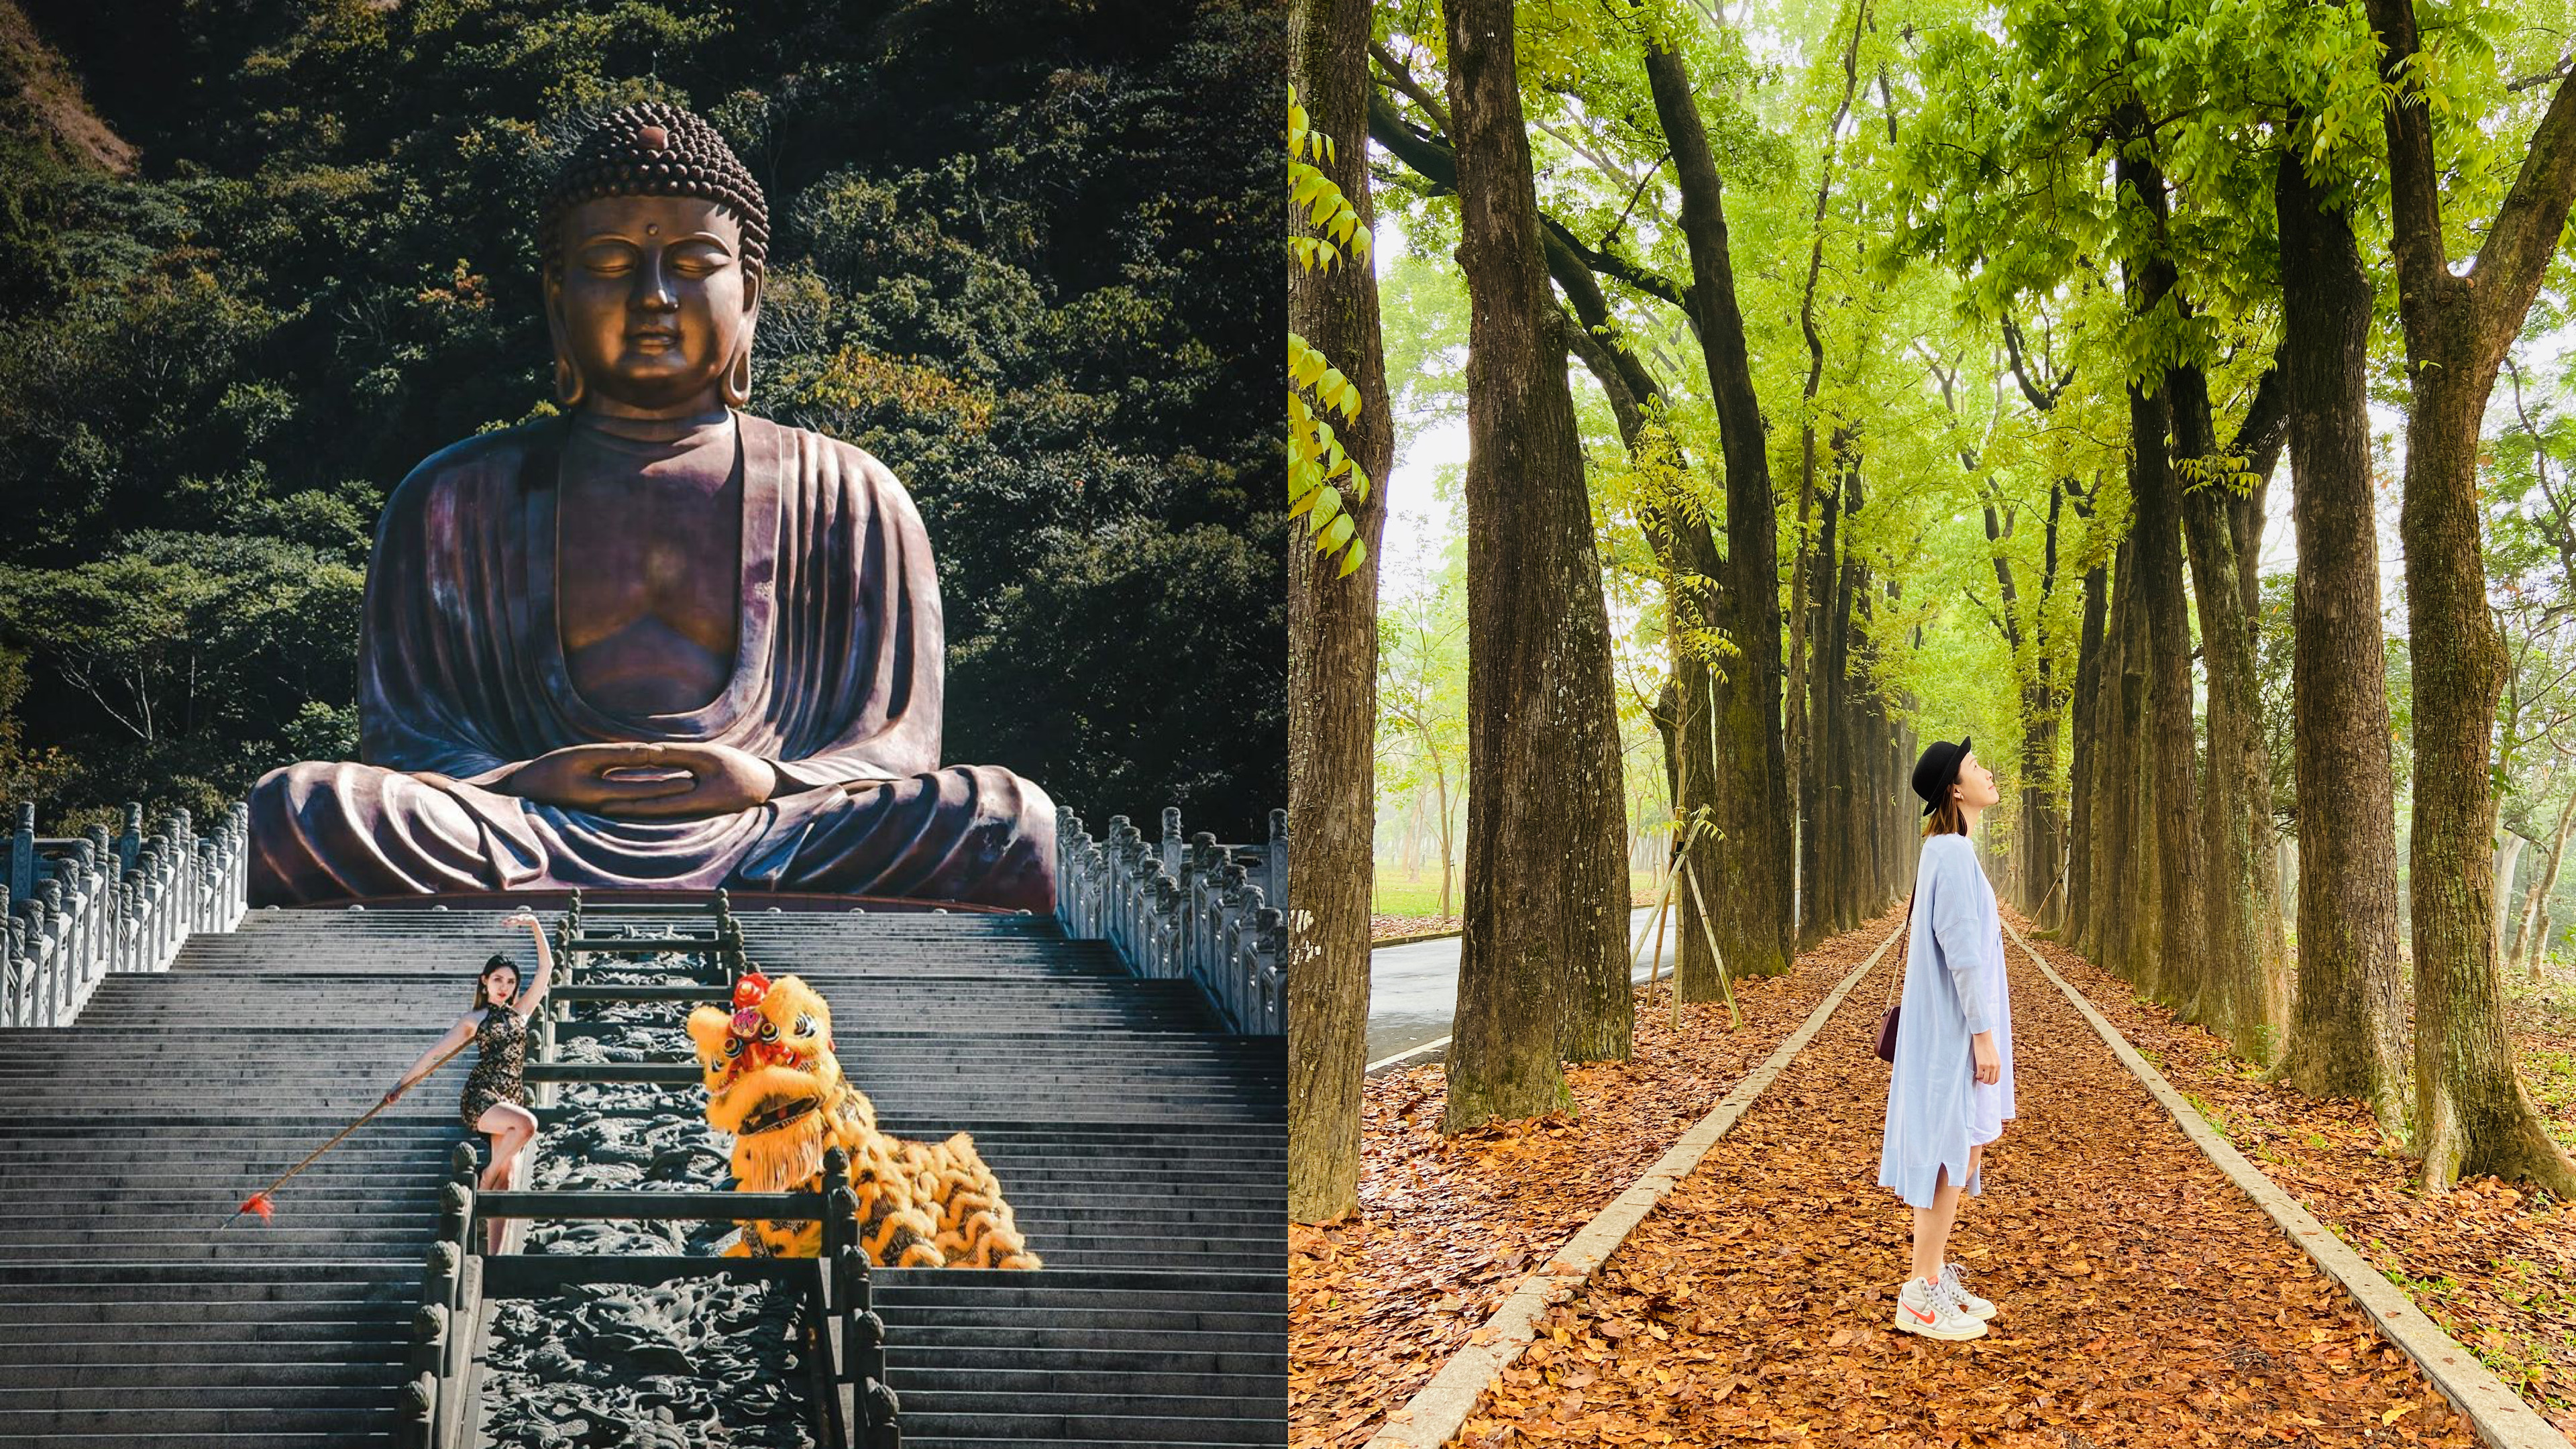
837,678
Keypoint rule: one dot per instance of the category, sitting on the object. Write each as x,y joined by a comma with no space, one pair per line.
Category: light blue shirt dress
1954,988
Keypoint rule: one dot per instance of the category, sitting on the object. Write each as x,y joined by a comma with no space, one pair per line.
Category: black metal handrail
854,1407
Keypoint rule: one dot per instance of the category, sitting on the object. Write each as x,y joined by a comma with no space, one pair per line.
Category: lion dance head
774,1081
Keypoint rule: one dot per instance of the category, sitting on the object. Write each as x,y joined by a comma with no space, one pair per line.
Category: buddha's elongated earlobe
736,386
568,383
737,379
570,388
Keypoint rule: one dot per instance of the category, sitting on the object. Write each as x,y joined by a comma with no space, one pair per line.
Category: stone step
113,1312
930,1348
1162,1382
1021,1344
182,1376
372,1420
1094,1419
354,1277
1154,1180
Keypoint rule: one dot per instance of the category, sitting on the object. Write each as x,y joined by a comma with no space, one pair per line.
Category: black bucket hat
1938,770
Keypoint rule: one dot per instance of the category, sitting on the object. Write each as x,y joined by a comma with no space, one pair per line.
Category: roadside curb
1434,1416
2500,1416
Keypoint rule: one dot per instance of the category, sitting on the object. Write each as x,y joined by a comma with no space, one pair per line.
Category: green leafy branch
1324,481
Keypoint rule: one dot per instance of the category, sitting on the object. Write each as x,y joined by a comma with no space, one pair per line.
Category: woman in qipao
495,1099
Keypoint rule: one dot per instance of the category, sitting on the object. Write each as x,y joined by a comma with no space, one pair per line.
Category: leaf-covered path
2143,1299
1448,1225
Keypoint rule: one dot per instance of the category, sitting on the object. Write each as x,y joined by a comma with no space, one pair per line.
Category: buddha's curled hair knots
653,148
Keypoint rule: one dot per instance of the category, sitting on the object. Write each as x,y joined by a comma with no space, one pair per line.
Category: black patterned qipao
501,1044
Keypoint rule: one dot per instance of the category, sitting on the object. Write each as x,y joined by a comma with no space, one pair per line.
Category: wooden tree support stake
1735,1017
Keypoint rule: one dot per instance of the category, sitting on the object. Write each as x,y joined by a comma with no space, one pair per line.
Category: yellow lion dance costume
774,1082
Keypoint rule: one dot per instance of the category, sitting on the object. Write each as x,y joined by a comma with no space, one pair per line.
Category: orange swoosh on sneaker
1919,1317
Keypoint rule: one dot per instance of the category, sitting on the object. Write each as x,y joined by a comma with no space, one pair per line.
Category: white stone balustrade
1184,908
80,907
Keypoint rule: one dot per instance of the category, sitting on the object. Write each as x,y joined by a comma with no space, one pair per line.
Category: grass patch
1418,894
2215,1118
1400,895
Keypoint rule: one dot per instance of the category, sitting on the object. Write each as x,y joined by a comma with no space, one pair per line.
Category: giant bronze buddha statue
659,642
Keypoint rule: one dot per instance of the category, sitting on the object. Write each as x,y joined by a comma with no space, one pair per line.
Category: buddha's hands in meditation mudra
659,642
645,781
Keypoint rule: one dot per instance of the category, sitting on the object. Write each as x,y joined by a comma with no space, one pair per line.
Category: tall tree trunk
2173,970
2043,707
2471,1111
1823,768
2347,1035
2508,854
1543,963
2129,923
1448,846
1799,775
1684,549
1754,907
2245,992
2272,910
1847,838
2087,757
1332,668
2528,943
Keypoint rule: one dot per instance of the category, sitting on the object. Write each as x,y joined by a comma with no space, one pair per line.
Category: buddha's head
654,238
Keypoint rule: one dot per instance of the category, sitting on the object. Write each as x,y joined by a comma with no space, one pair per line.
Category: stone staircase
1144,1151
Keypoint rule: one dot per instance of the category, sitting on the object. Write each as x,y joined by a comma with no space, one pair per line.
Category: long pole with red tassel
261,1203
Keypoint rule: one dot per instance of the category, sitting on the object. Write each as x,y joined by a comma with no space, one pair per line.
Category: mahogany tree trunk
1332,668
2348,1022
2244,993
2472,1114
1543,961
2529,944
1833,784
2128,899
2171,969
1754,906
2165,835
2087,756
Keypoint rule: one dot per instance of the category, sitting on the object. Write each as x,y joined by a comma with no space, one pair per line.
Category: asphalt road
1413,990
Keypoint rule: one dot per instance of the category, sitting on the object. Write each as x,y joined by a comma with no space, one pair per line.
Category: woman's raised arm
526,1005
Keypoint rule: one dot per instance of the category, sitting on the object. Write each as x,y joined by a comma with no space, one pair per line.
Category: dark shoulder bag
1887,1021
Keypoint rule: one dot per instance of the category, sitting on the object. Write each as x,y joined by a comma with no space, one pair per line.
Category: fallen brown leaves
2144,1301
1400,928
2496,1272
1447,1226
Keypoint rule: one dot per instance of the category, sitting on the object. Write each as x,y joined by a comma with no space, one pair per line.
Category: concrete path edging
1434,1415
1409,1057
2502,1419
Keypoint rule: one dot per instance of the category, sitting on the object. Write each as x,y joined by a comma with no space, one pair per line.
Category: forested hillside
258,259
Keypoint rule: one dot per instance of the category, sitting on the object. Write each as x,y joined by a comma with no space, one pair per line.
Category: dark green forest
257,259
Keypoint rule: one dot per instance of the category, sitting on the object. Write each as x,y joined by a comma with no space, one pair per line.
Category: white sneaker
1931,1310
1969,1303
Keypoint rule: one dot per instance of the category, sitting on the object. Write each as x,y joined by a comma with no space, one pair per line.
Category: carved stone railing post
17,971
1274,887
1182,906
22,855
97,903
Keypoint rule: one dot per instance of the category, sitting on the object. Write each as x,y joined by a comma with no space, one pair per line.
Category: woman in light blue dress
1950,1092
